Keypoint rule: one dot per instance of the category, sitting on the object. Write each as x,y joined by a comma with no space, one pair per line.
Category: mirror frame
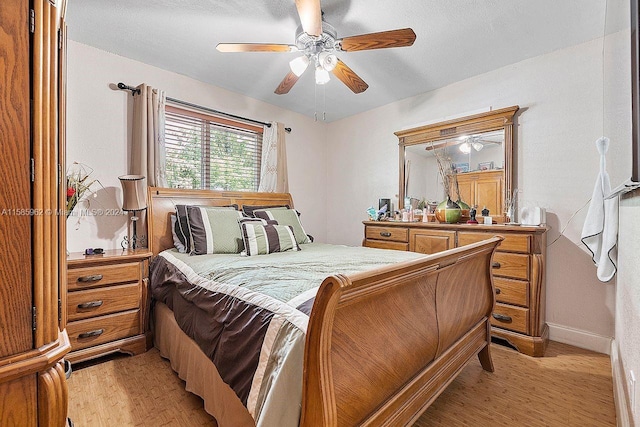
477,123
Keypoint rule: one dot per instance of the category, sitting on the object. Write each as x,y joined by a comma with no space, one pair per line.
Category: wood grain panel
53,397
510,317
382,244
15,218
511,291
91,277
17,399
511,265
511,243
387,233
102,301
431,241
113,326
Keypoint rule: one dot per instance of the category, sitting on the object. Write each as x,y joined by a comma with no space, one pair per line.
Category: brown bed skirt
198,372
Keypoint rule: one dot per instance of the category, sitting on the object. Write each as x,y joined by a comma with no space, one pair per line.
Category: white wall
561,115
98,122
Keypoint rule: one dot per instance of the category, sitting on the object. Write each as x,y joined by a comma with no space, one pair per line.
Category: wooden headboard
161,204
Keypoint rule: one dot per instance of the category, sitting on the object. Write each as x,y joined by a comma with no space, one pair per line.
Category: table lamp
134,199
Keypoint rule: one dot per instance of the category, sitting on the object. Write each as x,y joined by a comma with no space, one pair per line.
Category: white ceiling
456,39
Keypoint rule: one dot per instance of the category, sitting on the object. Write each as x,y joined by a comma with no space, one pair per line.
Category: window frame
208,120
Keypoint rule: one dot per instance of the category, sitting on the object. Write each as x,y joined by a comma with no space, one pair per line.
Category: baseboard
579,338
620,392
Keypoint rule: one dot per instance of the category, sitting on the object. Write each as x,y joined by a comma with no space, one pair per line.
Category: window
209,152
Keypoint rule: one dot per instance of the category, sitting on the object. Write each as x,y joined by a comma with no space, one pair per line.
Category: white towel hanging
600,229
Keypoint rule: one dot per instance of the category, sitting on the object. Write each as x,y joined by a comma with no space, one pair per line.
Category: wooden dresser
107,307
518,270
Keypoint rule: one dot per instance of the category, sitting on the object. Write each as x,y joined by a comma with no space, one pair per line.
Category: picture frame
461,167
485,166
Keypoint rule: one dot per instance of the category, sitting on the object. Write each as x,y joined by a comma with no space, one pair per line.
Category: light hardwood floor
567,387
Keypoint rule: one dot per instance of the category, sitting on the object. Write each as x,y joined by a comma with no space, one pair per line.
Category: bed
378,345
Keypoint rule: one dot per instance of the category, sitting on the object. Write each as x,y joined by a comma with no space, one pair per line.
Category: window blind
209,152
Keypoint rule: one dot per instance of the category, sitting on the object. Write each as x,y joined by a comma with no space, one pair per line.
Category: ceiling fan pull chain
315,103
324,103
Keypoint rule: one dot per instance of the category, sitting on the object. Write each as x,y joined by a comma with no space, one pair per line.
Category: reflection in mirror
475,153
466,154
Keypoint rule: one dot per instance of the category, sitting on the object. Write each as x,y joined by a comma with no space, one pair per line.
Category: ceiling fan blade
287,83
255,47
384,39
349,78
310,16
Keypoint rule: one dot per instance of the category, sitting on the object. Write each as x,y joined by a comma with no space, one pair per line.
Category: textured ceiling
456,39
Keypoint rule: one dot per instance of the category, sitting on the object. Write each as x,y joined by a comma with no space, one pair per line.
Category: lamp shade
134,197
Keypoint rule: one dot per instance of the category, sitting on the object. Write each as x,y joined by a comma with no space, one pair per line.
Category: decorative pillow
175,229
248,209
260,239
246,220
285,217
182,228
182,231
214,230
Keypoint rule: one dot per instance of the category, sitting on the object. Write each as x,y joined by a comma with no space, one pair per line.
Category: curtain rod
134,91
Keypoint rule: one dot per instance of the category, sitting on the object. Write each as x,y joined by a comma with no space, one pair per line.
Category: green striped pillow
285,217
214,230
262,239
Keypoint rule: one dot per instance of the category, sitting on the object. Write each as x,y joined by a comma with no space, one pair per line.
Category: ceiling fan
319,43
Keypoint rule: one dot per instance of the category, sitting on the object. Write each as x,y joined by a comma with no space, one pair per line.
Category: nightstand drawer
511,291
89,277
97,302
510,265
511,242
510,317
396,234
99,330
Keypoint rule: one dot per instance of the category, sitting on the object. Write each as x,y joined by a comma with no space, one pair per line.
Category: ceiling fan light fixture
327,60
299,65
322,76
477,145
465,147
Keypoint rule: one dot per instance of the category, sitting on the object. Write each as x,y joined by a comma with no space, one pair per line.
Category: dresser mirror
477,150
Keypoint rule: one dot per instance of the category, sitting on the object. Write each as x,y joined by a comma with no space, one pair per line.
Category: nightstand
107,303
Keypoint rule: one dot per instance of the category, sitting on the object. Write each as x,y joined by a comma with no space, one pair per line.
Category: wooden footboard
382,345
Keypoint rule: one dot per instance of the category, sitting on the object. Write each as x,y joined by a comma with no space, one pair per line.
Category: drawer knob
385,234
89,279
495,265
502,317
498,291
90,334
91,304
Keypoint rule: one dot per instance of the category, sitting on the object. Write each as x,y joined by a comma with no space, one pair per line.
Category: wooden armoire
33,340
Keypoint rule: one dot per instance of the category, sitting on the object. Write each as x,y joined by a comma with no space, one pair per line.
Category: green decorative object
448,211
465,208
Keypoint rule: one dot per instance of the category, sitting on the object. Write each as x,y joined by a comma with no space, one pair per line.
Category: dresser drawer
510,265
97,302
396,234
511,291
510,317
90,277
511,242
382,244
99,330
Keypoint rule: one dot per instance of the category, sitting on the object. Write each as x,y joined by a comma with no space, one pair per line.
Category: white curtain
273,171
148,155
